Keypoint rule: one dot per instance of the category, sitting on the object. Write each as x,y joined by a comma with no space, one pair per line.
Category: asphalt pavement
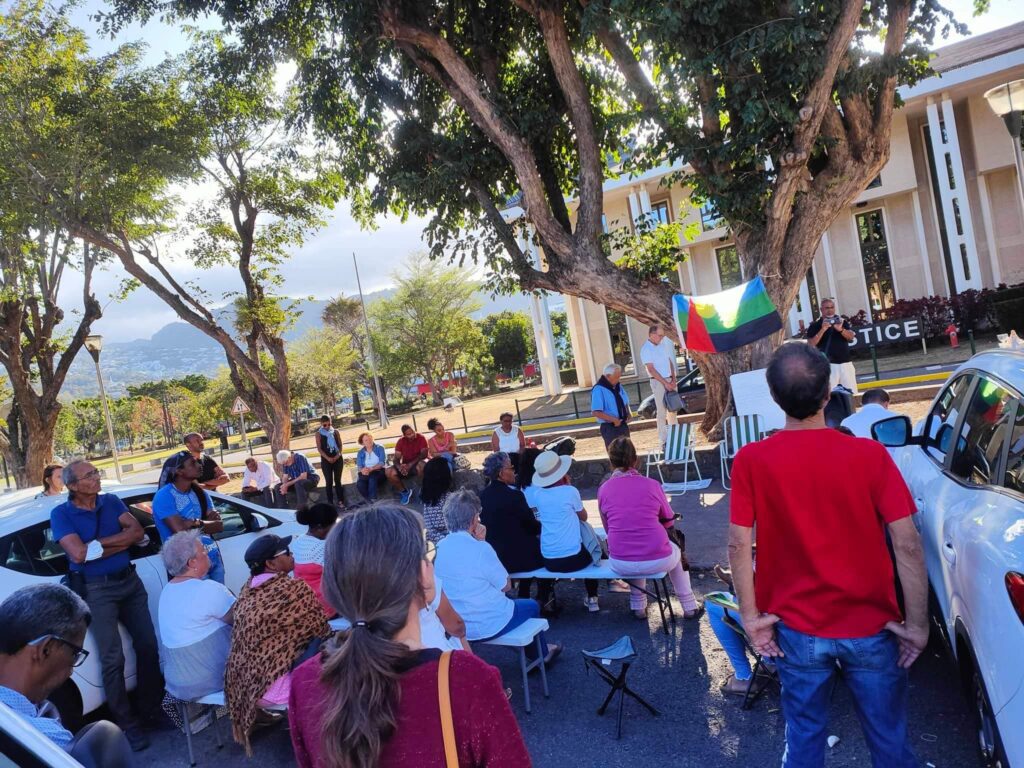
679,673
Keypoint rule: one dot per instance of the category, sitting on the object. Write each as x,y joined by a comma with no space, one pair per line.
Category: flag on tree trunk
726,320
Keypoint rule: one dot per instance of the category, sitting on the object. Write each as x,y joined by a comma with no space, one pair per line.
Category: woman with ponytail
370,698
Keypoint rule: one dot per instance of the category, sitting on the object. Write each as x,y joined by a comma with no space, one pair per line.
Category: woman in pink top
636,514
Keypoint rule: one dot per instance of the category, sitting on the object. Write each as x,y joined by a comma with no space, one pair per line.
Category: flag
726,320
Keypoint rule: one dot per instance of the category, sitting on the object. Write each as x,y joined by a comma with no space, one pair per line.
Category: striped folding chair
679,449
739,431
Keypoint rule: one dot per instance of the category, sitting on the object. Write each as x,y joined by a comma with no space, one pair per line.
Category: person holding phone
832,334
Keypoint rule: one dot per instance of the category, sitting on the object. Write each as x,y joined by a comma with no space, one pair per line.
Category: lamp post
1007,101
95,345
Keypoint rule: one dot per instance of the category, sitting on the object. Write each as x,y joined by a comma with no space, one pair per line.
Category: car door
923,468
242,524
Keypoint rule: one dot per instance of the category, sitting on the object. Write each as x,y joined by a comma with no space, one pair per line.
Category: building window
875,182
618,331
874,251
710,218
730,274
812,293
947,257
660,213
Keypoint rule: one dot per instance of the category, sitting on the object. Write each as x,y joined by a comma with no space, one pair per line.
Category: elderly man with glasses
832,334
96,531
44,629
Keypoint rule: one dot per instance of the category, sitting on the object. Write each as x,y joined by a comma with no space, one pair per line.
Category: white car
964,465
28,555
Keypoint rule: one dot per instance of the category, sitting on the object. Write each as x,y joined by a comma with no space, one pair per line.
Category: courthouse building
945,215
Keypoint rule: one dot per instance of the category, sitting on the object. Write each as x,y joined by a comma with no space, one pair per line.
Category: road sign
239,407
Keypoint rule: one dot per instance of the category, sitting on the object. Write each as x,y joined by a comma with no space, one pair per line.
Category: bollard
414,429
519,416
575,405
465,426
970,338
874,362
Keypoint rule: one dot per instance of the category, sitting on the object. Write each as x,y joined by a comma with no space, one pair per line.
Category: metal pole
575,405
465,426
106,415
924,346
874,362
245,436
519,416
414,428
970,338
382,407
1018,157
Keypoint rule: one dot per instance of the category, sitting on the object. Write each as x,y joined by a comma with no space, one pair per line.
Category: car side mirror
894,432
944,437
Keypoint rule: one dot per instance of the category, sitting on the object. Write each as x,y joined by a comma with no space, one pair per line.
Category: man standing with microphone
832,335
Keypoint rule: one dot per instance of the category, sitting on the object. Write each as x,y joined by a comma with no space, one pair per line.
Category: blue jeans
523,609
879,688
731,642
367,484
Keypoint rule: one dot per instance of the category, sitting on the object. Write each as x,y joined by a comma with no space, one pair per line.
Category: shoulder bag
444,698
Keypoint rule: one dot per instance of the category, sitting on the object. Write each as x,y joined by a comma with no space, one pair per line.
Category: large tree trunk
31,443
356,405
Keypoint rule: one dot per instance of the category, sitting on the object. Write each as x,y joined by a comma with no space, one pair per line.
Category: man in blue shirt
96,530
181,504
609,404
298,476
44,630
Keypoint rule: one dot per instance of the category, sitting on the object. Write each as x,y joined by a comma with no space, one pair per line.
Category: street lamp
1007,101
95,345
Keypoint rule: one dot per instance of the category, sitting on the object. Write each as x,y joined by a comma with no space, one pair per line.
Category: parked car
29,554
23,746
690,387
964,464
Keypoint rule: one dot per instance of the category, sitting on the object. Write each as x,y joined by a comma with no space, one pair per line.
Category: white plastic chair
739,431
679,449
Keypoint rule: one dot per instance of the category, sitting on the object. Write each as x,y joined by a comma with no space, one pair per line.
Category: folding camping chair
679,449
623,652
739,431
728,603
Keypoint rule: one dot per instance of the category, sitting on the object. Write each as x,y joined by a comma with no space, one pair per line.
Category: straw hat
549,468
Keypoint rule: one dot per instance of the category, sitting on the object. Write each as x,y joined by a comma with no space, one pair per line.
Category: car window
239,519
693,380
33,551
1013,477
946,411
983,433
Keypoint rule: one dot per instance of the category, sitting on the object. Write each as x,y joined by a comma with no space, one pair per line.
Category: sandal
736,687
696,613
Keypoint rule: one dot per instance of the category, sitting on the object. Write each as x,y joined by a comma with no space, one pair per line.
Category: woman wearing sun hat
560,511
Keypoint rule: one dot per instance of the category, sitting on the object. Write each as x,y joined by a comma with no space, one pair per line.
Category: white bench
213,701
522,637
603,572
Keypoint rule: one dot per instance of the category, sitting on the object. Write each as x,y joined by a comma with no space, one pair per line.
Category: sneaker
591,603
618,585
406,496
137,739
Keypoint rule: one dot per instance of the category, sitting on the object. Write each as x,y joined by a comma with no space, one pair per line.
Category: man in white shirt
874,406
658,354
258,482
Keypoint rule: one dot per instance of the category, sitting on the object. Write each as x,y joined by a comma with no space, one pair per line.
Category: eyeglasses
87,476
80,653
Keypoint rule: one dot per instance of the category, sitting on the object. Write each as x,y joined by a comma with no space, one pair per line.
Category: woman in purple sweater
636,515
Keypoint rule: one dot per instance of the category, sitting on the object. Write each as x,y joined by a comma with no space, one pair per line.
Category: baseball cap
266,548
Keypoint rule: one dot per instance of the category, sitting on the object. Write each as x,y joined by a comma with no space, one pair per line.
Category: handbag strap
451,755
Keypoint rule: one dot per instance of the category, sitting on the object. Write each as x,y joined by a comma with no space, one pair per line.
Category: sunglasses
286,553
80,653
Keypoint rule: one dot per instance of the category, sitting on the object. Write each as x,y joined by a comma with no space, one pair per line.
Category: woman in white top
508,438
475,581
441,626
194,618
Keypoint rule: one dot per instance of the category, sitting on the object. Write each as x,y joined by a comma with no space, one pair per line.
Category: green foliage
563,342
321,365
509,338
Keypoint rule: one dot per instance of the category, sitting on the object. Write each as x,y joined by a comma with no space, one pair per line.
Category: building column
990,235
639,205
830,272
543,334
956,208
922,247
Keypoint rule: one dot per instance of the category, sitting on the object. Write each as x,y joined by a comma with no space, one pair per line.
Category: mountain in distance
180,348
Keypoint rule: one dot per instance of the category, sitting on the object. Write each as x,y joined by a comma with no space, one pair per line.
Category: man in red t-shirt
824,598
410,459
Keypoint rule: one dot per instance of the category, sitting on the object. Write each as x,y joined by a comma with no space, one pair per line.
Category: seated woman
308,549
278,624
509,439
560,511
442,443
730,641
512,530
194,617
437,483
475,580
361,701
370,465
636,513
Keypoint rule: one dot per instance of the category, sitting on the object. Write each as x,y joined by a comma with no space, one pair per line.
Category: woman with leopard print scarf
278,624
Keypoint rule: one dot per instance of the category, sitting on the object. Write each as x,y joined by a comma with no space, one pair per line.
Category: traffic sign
239,407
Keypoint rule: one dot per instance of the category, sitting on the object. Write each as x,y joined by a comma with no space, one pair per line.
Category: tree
427,320
345,315
322,365
783,112
147,417
509,337
563,343
38,69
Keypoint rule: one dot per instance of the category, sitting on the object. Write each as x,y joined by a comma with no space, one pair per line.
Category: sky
322,267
